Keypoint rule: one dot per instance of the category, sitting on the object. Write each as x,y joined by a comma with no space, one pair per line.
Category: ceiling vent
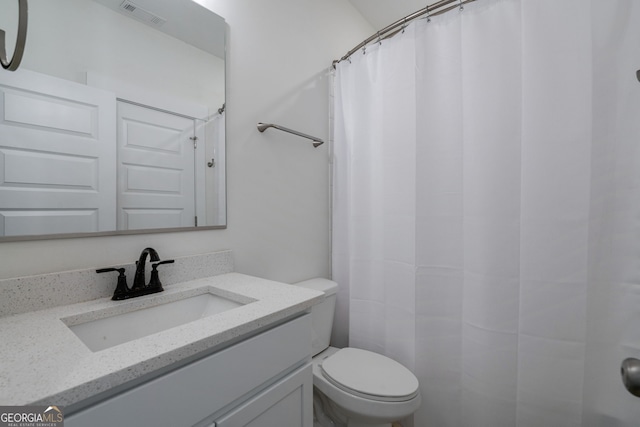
141,14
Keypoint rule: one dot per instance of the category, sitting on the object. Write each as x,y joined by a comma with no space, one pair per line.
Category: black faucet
139,287
139,281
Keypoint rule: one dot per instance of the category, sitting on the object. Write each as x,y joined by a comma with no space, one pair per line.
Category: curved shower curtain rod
434,9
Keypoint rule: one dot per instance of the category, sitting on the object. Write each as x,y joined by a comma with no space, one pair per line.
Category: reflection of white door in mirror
156,116
127,58
156,174
57,156
65,169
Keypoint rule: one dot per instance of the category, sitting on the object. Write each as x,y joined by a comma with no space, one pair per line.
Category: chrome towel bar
264,126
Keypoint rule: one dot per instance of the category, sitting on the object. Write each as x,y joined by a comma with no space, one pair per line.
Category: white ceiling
381,13
185,20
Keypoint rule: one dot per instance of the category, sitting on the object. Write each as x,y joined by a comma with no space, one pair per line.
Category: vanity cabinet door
286,403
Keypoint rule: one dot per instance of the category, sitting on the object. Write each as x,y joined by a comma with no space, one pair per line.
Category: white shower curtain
487,210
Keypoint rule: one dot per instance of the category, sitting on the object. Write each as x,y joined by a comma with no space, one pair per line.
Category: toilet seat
369,375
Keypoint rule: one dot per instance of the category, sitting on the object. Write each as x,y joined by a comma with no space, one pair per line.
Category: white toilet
353,387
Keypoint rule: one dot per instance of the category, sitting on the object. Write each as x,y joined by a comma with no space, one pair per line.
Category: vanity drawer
188,395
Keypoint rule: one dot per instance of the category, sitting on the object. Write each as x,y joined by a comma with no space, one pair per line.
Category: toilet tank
322,313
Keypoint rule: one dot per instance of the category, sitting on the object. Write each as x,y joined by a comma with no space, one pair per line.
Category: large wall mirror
115,121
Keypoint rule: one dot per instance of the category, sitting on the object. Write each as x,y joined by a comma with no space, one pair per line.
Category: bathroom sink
123,327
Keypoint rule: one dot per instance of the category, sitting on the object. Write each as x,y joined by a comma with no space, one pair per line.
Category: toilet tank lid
329,287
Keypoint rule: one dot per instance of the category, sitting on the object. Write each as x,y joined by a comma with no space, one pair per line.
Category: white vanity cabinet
283,404
265,380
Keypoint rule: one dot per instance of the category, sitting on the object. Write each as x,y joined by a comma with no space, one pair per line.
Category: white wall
278,184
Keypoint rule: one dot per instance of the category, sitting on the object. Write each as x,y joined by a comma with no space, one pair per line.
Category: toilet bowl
355,387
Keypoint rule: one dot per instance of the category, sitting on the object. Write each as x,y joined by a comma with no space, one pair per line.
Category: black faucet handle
122,289
106,270
156,264
154,282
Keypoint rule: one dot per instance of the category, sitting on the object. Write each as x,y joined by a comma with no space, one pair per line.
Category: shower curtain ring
404,24
461,6
379,39
428,14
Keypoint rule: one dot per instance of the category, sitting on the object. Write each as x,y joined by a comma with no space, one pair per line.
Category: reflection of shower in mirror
214,116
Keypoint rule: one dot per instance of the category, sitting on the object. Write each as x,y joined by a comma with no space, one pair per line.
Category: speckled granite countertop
43,362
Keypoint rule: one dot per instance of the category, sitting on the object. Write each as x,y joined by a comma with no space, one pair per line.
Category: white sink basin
120,328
